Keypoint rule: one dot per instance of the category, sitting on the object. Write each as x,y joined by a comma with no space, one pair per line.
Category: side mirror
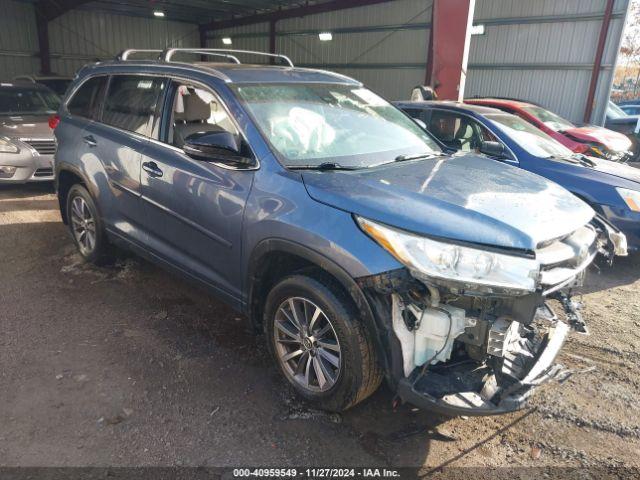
215,146
494,149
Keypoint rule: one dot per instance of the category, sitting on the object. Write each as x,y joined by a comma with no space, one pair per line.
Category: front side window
458,131
23,101
530,138
310,124
550,119
196,111
131,101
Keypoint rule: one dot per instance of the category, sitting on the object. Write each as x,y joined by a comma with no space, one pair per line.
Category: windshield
530,138
310,124
550,119
21,101
615,112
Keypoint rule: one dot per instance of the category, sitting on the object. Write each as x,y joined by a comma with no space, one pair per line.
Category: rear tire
86,226
329,358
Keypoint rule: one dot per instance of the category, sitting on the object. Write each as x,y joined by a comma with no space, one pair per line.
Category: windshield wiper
578,158
404,158
325,166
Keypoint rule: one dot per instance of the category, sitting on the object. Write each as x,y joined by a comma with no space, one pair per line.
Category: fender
91,186
346,281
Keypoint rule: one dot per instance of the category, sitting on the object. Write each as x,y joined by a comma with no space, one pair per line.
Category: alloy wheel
84,225
306,344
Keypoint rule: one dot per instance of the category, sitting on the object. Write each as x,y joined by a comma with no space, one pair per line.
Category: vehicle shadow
26,190
602,276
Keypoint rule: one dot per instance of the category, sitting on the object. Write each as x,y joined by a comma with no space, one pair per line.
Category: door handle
89,140
152,169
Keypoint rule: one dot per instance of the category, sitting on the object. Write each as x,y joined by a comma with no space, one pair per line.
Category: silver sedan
27,144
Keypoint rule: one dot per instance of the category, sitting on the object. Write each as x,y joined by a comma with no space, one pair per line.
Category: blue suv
333,221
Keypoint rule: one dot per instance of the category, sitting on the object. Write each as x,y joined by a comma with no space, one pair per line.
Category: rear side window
85,102
131,102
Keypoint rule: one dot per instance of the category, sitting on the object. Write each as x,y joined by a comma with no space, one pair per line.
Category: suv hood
465,198
25,126
614,141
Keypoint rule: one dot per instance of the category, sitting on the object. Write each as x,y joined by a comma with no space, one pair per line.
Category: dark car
56,83
611,188
618,120
27,144
334,222
632,109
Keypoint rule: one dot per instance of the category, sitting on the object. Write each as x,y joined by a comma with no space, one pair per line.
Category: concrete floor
129,366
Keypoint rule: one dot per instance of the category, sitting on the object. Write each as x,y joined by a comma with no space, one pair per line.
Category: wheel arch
66,177
273,259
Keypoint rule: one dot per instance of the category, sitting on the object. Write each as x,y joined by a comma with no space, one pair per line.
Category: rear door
118,139
193,209
78,113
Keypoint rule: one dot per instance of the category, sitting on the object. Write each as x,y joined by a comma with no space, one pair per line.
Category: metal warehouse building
560,54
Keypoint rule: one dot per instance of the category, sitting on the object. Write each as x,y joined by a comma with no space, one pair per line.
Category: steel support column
449,47
42,28
597,63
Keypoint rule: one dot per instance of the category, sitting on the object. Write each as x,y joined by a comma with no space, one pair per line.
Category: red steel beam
449,48
331,6
597,63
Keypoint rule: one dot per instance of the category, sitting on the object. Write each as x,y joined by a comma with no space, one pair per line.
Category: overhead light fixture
325,36
227,41
477,30
158,13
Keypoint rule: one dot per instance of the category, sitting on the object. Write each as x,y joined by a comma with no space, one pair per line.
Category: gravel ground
130,366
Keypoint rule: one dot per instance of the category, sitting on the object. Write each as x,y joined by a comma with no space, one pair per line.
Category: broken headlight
433,259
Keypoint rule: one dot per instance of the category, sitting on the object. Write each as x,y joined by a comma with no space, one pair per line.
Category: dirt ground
131,366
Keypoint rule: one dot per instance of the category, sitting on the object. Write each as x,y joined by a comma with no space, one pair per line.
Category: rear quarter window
86,100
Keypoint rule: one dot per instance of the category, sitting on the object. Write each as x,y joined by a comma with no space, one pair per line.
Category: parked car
618,120
589,139
611,188
27,143
334,222
632,109
57,83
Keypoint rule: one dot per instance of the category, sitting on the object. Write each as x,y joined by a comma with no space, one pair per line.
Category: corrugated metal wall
18,39
357,49
79,37
539,50
543,51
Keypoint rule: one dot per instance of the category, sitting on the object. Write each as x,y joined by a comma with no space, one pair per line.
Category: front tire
319,344
86,226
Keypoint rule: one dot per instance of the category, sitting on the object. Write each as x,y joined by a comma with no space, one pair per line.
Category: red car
590,139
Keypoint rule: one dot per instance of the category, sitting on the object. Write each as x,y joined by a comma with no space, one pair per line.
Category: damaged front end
469,331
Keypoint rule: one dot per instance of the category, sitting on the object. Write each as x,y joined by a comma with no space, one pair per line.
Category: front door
193,209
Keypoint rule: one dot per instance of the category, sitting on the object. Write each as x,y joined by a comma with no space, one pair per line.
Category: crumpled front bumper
472,403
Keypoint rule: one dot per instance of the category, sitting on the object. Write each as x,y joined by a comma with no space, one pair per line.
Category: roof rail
169,52
125,54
